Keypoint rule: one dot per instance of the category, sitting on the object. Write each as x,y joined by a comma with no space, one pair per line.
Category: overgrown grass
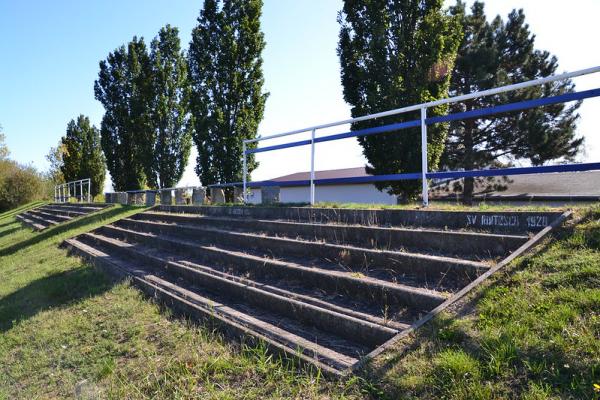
433,205
66,328
451,206
532,333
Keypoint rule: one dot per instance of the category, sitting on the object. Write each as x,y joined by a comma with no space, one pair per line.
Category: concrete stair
43,217
327,291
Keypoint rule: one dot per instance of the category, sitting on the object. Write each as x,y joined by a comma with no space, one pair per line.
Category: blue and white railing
423,122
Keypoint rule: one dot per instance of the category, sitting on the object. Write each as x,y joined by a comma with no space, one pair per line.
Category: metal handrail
423,122
62,192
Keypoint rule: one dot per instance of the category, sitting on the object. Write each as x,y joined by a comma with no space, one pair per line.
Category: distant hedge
19,184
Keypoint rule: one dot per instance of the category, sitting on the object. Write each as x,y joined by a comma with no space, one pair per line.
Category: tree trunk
469,183
468,191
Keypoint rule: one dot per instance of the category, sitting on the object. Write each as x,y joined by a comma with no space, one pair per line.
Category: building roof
327,174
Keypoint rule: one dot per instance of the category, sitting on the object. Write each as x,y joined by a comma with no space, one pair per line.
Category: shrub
19,185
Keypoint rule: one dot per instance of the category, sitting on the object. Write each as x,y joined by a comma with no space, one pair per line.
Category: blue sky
50,52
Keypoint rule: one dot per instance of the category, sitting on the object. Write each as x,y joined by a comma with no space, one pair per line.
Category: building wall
254,196
363,193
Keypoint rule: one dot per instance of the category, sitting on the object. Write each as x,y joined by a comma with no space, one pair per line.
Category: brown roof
328,174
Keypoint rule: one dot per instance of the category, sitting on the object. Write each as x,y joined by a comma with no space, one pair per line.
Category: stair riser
40,220
82,209
451,243
351,329
31,224
231,329
428,269
64,213
54,214
380,296
52,219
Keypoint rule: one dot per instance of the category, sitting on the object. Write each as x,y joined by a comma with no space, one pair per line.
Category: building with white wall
365,193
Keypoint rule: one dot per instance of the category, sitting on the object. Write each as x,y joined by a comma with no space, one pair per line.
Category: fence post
89,196
245,173
312,168
425,193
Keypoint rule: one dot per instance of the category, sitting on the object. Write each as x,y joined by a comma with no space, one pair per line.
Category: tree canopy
124,89
228,102
4,152
171,122
395,54
82,155
494,54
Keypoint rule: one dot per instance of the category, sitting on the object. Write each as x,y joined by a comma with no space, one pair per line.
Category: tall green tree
394,54
171,120
228,101
55,158
82,155
494,54
4,152
124,88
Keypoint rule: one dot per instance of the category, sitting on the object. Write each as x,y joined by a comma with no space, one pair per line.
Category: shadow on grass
71,225
9,231
52,291
9,223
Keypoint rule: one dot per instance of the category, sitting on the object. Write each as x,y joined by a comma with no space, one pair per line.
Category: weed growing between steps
65,328
534,333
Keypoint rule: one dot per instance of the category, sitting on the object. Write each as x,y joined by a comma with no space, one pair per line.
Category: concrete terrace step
283,287
55,219
41,220
82,207
30,222
329,287
57,213
252,293
483,245
381,292
420,266
275,330
62,211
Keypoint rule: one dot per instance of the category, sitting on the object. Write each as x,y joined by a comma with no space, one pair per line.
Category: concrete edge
525,248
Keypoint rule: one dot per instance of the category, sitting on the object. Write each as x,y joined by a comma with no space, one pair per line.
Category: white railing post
312,168
245,173
425,193
89,196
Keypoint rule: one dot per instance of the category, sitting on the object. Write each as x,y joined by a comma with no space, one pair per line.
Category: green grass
65,325
533,333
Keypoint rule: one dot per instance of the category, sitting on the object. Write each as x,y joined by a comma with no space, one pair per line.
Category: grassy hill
65,328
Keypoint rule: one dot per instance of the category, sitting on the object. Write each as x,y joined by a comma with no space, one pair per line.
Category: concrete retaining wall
490,221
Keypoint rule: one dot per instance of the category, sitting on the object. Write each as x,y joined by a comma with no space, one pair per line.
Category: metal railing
423,122
63,193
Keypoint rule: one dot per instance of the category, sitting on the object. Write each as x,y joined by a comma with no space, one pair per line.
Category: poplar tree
170,120
395,54
82,155
124,89
228,102
499,53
